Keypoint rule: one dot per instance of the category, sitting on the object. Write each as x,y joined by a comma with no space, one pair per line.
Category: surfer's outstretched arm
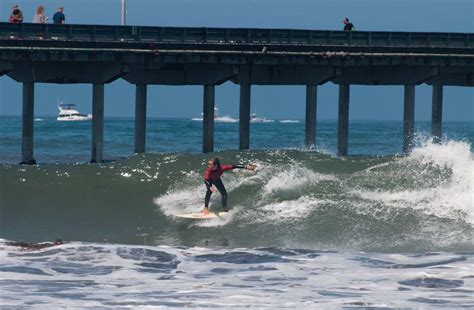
249,167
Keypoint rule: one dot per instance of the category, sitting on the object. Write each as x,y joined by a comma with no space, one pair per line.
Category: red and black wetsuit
213,177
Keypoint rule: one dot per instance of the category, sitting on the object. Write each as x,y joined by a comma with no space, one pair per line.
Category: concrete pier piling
97,123
244,117
343,120
140,118
208,119
310,116
408,117
28,124
437,113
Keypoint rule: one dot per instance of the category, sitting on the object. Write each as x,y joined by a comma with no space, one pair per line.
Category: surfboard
200,216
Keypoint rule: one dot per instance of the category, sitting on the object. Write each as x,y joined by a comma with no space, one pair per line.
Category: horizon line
276,119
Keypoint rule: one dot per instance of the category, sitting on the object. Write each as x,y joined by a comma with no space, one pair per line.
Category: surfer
212,179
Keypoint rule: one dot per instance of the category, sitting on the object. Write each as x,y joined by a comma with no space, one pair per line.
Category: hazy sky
280,102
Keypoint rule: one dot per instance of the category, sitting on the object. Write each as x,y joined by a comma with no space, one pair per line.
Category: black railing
105,33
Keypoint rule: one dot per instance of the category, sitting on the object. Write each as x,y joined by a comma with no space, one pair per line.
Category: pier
98,55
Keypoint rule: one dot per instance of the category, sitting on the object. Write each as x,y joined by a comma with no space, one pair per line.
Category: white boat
217,118
67,112
228,119
289,121
255,119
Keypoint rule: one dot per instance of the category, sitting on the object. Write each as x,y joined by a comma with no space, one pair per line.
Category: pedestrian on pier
348,26
16,16
59,17
39,17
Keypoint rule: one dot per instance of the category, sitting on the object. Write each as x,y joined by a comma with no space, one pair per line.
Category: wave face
295,199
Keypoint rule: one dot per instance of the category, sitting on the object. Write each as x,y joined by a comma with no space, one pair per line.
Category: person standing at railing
58,17
39,17
348,26
16,16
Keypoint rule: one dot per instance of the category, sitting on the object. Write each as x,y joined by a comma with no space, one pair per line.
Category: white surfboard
201,216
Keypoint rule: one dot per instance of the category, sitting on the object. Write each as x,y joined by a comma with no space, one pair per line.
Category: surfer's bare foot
250,167
205,211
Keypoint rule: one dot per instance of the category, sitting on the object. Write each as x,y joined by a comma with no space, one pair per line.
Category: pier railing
104,33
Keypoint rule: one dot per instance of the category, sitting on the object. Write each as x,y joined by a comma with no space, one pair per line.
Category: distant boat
289,121
255,119
217,118
67,112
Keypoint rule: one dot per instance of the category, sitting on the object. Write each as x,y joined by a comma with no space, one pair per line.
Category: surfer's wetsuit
213,177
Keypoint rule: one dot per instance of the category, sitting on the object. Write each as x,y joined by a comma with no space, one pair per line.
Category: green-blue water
71,141
306,229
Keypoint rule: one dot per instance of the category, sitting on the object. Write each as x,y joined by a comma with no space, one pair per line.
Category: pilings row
244,114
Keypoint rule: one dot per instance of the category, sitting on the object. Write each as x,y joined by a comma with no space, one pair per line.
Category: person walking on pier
39,17
58,17
348,26
212,179
16,16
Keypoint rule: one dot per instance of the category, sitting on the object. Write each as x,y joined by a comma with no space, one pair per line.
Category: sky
277,102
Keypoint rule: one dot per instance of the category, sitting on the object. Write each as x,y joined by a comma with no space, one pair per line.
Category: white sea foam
452,198
222,220
289,209
125,174
294,177
95,275
187,200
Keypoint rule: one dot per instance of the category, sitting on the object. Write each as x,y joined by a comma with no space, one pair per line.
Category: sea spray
439,181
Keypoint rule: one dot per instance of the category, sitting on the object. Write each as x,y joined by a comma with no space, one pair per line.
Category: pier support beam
97,123
244,117
343,120
208,119
437,112
310,120
140,118
27,129
408,118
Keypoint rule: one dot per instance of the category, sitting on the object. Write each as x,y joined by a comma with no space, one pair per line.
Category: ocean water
306,230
